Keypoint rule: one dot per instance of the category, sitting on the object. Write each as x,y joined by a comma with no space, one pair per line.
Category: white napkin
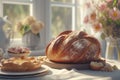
74,74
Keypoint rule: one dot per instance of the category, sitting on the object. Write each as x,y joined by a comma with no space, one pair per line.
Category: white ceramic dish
39,71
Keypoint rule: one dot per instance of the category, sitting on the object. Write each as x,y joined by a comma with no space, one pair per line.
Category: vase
112,48
31,40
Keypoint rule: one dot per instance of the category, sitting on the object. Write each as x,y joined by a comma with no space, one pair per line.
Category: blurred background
64,14
57,16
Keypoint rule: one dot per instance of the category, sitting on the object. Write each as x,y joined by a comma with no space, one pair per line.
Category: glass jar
112,48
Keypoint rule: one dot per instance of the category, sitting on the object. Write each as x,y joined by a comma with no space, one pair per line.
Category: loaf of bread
73,47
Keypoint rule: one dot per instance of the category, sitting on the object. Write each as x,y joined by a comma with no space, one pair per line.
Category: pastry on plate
18,51
20,64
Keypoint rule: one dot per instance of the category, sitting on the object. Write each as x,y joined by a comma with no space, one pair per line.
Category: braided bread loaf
73,47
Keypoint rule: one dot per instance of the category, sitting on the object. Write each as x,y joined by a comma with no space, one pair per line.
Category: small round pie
20,64
18,51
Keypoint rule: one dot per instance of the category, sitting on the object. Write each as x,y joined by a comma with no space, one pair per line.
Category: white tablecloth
64,74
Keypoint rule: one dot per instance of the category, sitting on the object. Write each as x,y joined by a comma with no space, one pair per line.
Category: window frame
74,5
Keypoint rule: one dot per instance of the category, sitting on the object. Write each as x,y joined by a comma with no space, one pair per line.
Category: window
65,15
57,15
16,11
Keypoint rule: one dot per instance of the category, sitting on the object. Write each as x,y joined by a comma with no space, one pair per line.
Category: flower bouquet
30,31
104,17
29,24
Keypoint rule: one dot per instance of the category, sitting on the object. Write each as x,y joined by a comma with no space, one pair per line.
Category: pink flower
114,14
102,6
86,19
90,18
97,26
93,16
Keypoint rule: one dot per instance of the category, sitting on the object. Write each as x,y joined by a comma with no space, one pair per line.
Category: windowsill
38,52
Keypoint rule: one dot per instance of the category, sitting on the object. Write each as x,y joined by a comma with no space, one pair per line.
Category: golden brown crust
73,47
20,64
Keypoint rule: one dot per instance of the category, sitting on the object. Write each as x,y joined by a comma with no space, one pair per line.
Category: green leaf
26,28
115,3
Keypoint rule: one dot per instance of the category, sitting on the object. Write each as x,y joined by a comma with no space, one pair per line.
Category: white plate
39,71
